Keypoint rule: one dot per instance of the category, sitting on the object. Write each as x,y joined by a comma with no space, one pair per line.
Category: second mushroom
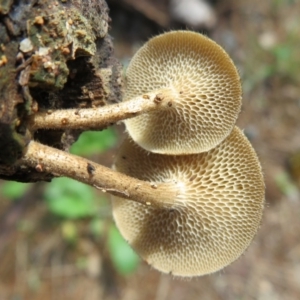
215,214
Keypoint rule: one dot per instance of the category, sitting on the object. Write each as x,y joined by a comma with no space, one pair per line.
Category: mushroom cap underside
207,88
215,216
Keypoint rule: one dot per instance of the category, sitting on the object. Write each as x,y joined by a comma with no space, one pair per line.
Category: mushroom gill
204,87
215,215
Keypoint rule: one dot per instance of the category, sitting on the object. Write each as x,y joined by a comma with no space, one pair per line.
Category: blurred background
58,241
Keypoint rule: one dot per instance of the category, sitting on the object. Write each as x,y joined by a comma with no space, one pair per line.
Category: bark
53,55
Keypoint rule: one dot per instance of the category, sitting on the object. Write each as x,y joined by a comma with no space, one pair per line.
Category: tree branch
60,163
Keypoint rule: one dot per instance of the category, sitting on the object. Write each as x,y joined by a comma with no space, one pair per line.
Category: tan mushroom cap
215,215
207,90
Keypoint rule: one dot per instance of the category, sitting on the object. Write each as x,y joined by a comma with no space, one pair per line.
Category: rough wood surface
53,55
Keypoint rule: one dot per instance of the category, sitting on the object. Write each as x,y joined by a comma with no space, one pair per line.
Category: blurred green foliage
286,185
14,190
96,227
71,199
285,62
123,257
92,142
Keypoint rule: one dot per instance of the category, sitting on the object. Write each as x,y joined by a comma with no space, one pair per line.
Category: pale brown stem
60,163
97,118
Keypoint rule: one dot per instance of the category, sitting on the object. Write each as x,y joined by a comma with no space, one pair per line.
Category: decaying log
53,54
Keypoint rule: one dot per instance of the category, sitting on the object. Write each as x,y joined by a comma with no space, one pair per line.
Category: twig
61,163
95,118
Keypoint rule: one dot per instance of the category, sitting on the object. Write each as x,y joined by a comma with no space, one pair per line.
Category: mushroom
214,217
183,96
203,83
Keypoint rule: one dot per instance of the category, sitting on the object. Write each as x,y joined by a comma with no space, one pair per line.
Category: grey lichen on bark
53,55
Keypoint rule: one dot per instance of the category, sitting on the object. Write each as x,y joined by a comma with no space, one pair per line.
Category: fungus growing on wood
215,215
190,214
183,95
205,91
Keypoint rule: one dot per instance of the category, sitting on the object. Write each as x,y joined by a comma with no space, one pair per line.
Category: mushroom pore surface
205,87
215,216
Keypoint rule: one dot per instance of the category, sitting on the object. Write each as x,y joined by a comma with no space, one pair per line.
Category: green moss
63,36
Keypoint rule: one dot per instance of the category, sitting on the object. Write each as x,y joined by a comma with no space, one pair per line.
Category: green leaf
70,199
92,142
14,190
123,257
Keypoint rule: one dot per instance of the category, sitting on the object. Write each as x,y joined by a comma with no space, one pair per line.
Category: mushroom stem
96,118
60,163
